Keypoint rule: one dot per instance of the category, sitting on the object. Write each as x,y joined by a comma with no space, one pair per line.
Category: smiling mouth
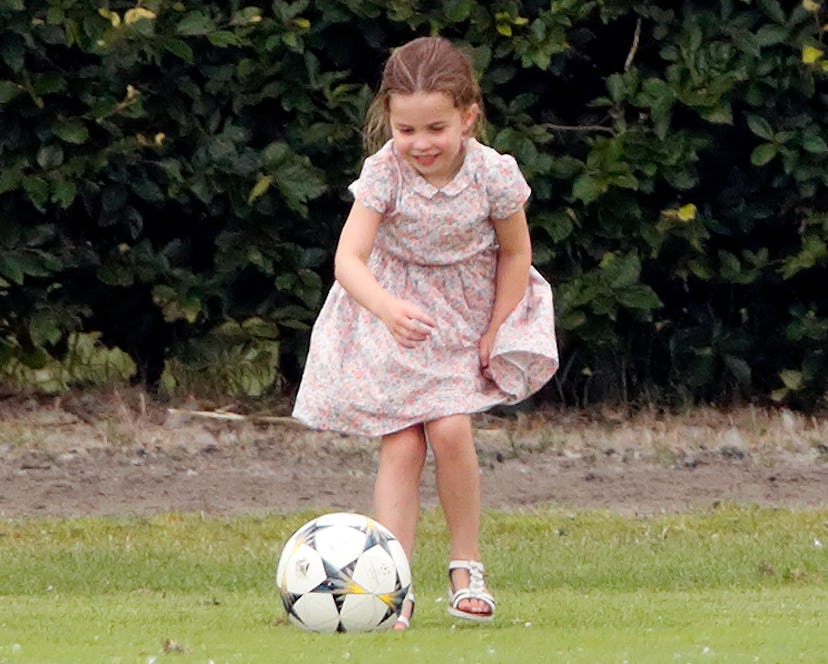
425,160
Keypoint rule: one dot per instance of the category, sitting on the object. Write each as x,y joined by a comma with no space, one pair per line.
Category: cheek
452,142
401,142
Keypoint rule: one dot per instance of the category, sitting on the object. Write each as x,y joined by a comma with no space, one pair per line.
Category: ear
469,116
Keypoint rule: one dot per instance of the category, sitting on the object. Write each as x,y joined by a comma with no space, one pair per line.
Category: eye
405,130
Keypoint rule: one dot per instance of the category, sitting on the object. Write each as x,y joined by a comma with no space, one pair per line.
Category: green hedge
173,179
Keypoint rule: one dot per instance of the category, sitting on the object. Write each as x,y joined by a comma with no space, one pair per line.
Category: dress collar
461,180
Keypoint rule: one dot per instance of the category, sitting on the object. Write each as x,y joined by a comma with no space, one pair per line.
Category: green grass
737,584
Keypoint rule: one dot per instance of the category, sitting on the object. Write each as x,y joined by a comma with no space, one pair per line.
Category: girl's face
428,132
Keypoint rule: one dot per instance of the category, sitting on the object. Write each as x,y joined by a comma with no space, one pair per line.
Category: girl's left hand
486,345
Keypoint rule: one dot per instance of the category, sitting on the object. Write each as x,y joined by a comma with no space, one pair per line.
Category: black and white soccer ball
343,572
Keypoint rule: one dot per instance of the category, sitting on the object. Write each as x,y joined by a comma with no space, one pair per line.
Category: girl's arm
406,322
514,258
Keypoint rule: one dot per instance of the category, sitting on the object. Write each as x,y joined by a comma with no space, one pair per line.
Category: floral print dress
437,248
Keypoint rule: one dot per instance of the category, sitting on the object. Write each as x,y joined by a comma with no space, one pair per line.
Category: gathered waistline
380,253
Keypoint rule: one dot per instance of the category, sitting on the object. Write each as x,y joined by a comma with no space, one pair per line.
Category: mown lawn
735,584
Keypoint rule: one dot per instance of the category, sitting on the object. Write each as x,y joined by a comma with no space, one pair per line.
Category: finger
485,354
405,342
420,326
417,329
410,338
422,318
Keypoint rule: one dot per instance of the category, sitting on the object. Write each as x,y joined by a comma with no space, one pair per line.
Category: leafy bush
172,171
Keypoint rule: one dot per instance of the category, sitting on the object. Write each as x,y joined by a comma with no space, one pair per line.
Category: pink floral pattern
438,248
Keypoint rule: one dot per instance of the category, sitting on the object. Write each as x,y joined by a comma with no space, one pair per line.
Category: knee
405,450
450,436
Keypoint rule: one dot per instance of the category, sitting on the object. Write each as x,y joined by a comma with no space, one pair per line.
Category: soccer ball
343,572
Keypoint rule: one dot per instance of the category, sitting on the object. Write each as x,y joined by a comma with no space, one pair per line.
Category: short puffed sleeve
506,187
376,186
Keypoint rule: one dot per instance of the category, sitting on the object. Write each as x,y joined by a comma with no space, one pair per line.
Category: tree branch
634,47
557,127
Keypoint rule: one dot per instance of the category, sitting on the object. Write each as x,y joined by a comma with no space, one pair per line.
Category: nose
420,141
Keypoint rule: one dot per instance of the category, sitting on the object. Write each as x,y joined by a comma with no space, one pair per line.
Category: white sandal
475,590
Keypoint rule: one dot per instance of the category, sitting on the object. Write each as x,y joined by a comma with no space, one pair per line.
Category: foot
404,619
468,596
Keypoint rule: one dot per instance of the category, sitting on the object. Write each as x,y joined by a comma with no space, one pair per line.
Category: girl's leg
458,486
397,488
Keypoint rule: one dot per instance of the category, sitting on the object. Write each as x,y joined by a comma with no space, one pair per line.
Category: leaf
9,179
195,23
620,271
760,126
43,328
89,361
565,167
178,48
223,38
173,306
586,188
687,212
71,131
772,34
138,14
113,17
738,368
680,179
8,91
148,190
773,9
64,192
638,296
746,41
12,51
248,15
10,268
260,188
258,327
814,249
458,11
719,114
814,144
811,54
616,87
38,190
113,200
700,269
45,84
762,154
558,225
792,379
49,157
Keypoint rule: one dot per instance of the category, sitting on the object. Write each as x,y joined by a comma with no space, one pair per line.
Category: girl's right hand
407,322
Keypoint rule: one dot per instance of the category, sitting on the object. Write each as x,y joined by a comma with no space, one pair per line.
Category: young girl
436,312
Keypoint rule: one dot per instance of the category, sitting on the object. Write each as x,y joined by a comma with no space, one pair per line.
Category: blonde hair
425,64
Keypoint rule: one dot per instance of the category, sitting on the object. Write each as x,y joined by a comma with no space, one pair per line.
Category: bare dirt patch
120,454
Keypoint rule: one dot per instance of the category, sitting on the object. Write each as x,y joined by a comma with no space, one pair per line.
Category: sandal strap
404,621
465,593
476,572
